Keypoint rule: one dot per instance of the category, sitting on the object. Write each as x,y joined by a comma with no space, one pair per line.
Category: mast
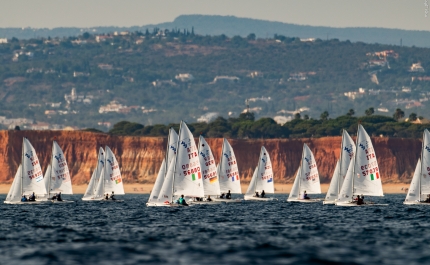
104,168
258,170
220,162
301,167
355,159
22,164
166,166
50,173
421,169
340,166
176,158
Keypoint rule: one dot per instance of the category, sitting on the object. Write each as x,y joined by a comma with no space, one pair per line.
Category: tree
251,36
369,111
17,128
324,116
297,116
351,112
86,35
306,117
413,117
398,114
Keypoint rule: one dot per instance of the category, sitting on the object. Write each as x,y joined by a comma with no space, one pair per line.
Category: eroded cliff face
141,157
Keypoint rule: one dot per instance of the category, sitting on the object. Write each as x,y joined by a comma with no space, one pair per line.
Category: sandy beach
279,188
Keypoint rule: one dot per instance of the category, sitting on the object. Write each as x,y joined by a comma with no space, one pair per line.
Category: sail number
208,163
35,163
312,166
31,174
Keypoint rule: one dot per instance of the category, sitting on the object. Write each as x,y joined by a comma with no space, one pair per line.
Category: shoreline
390,188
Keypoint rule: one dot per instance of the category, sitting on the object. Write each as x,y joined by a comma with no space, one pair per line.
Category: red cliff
141,157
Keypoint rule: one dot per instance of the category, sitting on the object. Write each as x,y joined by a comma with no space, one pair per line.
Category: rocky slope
141,157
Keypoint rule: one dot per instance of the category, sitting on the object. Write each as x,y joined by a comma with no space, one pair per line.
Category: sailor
428,198
23,198
209,198
256,194
107,196
58,197
305,196
54,197
222,196
360,199
263,194
228,195
112,196
32,197
182,201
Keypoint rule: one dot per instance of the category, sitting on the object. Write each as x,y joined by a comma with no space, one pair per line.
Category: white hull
354,204
161,204
27,202
206,202
416,203
228,200
61,202
251,198
329,202
304,200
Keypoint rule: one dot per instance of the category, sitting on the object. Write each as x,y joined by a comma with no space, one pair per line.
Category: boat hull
416,203
251,198
329,202
228,200
209,203
27,202
353,204
304,200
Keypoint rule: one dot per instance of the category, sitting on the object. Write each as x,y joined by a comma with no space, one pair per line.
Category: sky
401,14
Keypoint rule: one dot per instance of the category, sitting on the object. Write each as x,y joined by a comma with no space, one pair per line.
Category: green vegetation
245,126
281,75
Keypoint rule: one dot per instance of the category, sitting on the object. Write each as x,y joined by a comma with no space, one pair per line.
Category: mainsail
187,174
252,184
32,176
14,194
112,174
153,197
228,171
307,177
346,152
59,176
414,193
95,177
208,168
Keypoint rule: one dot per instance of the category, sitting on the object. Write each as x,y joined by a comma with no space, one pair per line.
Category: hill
232,26
164,76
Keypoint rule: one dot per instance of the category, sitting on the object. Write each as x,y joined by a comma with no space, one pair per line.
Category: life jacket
181,200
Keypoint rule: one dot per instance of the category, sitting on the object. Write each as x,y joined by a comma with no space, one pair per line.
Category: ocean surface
244,233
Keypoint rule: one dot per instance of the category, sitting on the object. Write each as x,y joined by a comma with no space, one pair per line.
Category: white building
416,67
184,77
3,40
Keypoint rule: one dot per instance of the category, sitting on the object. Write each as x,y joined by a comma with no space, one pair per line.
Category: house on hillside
416,67
184,77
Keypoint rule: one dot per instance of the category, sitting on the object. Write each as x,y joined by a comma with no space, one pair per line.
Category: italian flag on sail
372,176
193,176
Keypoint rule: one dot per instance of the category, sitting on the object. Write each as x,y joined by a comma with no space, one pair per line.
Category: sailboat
183,176
172,143
363,176
228,173
307,178
110,178
28,178
209,173
420,185
262,179
347,149
95,177
57,177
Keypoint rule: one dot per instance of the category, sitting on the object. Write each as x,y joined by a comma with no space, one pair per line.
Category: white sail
367,179
208,168
166,191
172,144
414,193
425,167
228,170
99,193
188,177
346,192
295,190
112,174
158,183
347,152
95,177
14,194
60,180
310,179
32,179
265,179
252,184
47,176
333,191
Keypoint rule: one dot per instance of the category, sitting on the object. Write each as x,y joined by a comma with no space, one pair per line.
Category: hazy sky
403,14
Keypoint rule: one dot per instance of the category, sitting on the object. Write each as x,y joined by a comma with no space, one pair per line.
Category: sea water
244,233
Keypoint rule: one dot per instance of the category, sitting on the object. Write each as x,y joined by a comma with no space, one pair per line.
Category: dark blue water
245,233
